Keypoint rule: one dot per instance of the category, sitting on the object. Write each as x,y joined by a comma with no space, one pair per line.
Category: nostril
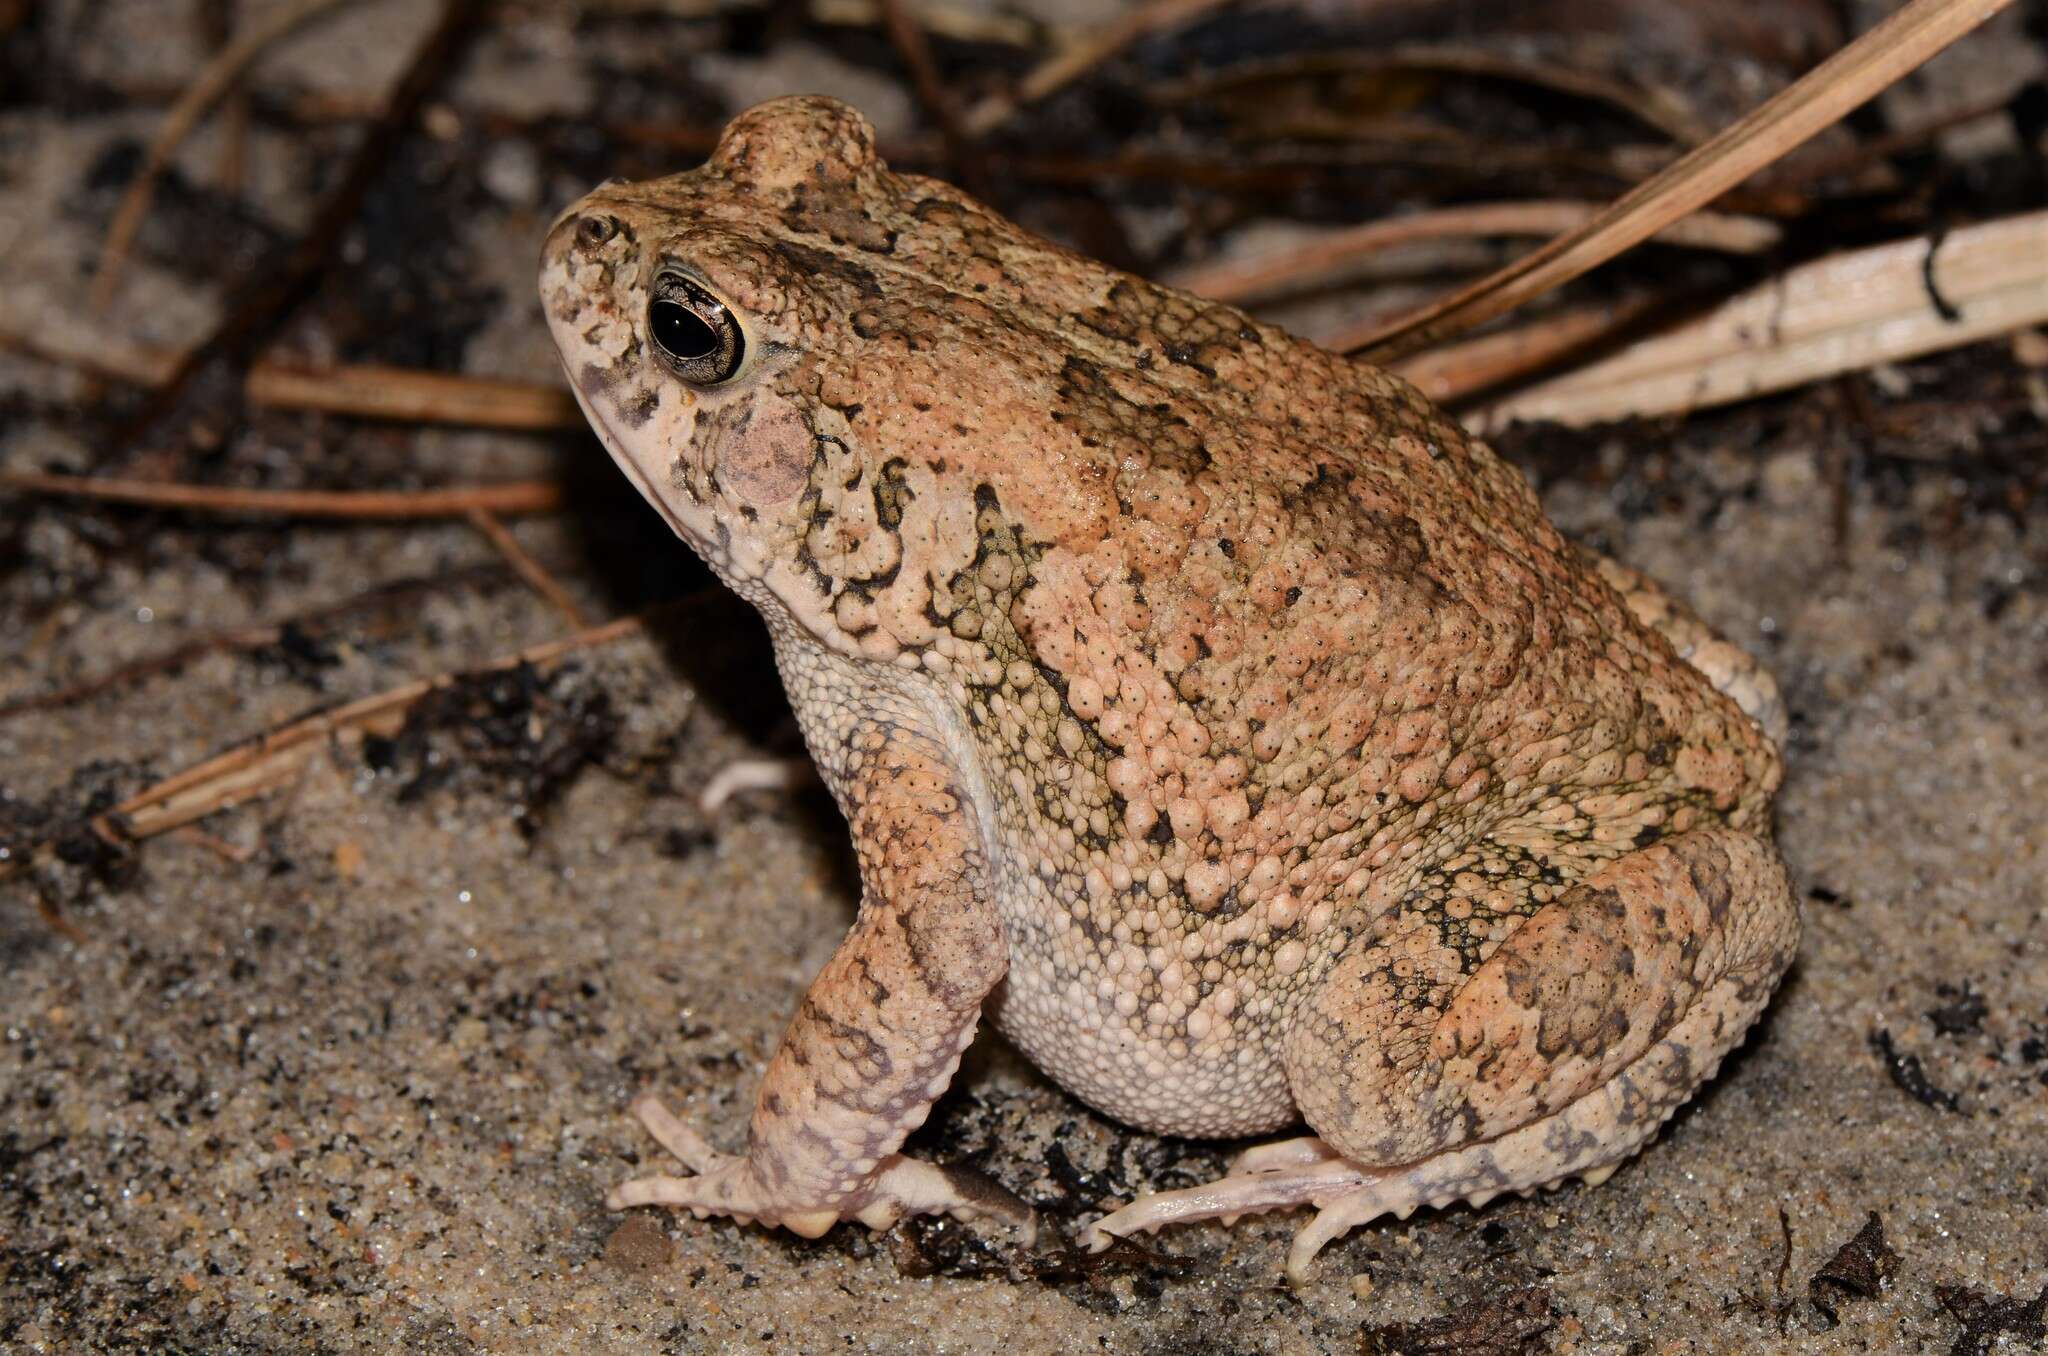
594,231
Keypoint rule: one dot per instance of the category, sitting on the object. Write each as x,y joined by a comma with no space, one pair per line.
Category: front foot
727,1184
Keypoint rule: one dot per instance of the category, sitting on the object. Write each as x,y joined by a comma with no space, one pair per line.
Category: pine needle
1829,92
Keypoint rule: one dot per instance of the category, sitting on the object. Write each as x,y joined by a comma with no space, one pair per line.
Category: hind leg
1560,1055
1733,671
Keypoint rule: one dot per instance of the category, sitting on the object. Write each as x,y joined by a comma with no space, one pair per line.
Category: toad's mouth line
611,443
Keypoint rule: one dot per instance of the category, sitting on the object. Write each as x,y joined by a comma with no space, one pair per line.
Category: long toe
1281,1188
679,1139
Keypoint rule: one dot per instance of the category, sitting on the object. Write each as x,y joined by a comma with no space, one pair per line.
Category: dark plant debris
301,654
1986,1317
1075,1174
191,229
514,731
1859,1270
1912,1079
926,1246
1512,1324
2034,1050
79,858
1150,1270
1963,1014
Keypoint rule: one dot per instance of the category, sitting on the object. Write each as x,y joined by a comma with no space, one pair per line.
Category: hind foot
1588,1139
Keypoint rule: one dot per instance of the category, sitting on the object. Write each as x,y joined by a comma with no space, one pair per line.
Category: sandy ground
349,1072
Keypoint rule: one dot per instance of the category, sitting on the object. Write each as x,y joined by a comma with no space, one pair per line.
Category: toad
1208,710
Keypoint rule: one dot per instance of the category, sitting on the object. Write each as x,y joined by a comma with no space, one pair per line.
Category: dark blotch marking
636,412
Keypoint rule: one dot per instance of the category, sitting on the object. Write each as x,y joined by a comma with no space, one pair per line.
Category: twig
215,21
274,759
513,496
1240,280
247,638
270,298
1084,55
1654,108
216,79
1454,371
1463,155
527,568
962,23
371,392
218,846
360,390
1843,82
102,356
1843,313
237,639
906,33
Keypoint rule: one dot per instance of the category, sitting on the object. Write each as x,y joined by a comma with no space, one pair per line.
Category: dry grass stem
515,496
1831,90
913,47
1840,314
1454,371
1656,108
362,391
527,568
1082,56
372,392
220,75
194,401
1246,279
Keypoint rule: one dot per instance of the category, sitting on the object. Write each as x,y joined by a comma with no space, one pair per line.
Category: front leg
881,1030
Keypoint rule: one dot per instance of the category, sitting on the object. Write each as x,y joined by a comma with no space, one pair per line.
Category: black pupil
681,332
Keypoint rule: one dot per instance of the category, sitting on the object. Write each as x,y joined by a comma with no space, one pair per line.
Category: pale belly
1218,1090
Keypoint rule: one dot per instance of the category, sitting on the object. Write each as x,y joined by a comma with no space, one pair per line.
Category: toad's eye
694,331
